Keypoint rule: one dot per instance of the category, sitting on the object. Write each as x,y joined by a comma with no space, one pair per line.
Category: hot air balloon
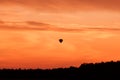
60,40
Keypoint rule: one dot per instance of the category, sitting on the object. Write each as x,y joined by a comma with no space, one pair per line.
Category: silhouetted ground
97,71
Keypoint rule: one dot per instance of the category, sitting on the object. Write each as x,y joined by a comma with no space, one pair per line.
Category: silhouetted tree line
87,71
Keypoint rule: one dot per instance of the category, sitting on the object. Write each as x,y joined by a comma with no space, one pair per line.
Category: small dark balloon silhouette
60,40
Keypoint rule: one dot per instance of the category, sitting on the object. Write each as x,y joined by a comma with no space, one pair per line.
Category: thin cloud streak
39,26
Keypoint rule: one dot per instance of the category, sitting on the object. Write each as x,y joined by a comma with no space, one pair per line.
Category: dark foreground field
97,71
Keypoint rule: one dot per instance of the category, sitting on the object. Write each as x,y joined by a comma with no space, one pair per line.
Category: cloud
39,26
32,25
1,22
106,29
66,5
37,23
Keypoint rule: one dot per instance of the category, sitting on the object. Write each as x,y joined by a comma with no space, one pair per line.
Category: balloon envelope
60,40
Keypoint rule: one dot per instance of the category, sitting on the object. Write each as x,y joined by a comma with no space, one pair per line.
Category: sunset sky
30,30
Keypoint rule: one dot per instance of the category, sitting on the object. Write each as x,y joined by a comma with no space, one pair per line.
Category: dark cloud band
67,5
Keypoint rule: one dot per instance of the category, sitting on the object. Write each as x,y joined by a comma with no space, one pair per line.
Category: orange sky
30,29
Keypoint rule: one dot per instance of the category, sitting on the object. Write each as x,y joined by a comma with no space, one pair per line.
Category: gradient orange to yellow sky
30,29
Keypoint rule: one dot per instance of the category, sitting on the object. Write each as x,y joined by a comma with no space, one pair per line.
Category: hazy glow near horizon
30,30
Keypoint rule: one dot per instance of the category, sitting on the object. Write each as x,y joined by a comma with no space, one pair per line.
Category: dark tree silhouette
87,71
